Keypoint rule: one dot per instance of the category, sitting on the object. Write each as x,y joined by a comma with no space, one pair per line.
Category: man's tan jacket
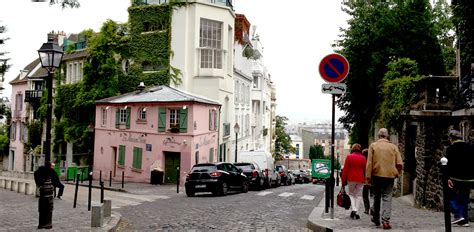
384,160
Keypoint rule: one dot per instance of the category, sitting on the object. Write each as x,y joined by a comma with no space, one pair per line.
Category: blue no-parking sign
334,68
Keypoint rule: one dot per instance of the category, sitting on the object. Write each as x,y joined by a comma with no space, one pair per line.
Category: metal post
337,169
326,202
75,191
100,176
236,142
177,181
123,177
447,213
101,192
89,200
332,155
110,179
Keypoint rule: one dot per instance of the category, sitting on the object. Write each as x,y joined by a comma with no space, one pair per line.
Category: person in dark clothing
56,182
43,179
460,157
366,189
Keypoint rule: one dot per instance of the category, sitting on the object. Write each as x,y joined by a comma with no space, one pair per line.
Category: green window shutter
121,158
210,119
137,158
117,118
129,110
183,120
161,119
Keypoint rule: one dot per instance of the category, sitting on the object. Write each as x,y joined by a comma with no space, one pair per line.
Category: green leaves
282,139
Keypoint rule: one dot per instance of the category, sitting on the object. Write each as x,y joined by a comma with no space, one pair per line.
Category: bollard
89,200
177,181
97,216
75,191
107,208
100,176
101,192
110,179
447,213
123,177
326,205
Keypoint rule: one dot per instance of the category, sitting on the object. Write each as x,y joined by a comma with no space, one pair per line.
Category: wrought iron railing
33,95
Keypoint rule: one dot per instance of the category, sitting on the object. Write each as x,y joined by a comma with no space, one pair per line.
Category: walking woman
353,176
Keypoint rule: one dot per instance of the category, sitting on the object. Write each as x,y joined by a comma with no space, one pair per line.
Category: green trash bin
71,173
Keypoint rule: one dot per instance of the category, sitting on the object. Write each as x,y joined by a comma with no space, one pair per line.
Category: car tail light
216,174
282,174
254,174
266,172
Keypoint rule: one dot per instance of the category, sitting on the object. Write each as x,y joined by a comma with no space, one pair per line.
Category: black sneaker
463,223
353,214
357,216
59,198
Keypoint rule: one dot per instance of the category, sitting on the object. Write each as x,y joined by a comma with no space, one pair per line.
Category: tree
283,140
380,31
3,60
62,3
316,151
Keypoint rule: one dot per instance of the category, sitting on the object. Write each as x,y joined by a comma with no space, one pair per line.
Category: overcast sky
295,34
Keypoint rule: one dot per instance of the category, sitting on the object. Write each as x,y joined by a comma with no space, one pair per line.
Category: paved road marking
307,197
285,194
264,193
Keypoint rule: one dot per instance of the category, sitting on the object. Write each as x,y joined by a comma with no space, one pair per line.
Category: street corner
319,220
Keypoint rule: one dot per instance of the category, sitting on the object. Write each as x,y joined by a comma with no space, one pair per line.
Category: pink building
159,128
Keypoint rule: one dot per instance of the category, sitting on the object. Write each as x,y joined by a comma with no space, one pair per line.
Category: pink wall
142,133
16,145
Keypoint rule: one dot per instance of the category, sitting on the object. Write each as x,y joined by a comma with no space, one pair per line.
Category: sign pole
332,153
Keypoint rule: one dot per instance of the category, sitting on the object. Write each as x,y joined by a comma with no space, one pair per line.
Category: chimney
141,87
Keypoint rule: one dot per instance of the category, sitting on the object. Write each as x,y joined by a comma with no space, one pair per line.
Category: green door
172,160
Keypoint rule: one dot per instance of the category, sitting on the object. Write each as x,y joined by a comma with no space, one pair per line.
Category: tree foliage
316,151
381,31
463,19
65,3
282,139
399,91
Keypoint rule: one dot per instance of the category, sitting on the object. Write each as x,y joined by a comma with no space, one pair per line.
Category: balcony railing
33,95
158,2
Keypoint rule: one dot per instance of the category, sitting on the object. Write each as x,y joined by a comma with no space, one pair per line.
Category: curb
316,221
110,224
98,187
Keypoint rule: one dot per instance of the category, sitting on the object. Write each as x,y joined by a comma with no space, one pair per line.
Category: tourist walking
384,163
460,157
353,177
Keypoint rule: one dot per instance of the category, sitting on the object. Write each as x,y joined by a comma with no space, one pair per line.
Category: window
213,119
236,92
142,114
19,102
13,131
123,116
255,82
210,42
242,93
104,117
121,155
137,158
174,117
196,157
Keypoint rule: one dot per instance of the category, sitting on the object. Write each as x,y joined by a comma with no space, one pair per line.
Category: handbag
343,200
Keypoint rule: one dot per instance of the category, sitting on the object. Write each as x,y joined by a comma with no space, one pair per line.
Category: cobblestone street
278,209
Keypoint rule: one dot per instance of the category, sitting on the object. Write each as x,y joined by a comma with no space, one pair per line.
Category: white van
265,160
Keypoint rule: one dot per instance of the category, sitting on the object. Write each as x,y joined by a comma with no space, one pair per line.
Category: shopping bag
343,200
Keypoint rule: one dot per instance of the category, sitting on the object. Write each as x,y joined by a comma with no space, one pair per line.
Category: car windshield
296,172
245,167
203,168
279,168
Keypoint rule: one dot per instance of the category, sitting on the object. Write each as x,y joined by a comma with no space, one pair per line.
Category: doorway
114,160
12,161
410,159
172,161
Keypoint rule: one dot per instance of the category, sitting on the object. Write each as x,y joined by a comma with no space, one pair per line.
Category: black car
217,178
300,176
254,174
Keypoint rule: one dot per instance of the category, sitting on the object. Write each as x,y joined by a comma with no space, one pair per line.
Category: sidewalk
405,217
134,188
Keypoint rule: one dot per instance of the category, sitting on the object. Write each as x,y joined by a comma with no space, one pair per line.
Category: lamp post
236,130
50,55
337,173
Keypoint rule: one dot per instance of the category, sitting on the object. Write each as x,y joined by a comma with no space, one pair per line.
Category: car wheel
224,189
245,186
261,184
190,193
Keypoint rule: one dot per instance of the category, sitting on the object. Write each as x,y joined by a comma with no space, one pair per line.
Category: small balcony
33,95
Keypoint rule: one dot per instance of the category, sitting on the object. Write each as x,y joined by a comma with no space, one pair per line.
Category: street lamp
50,55
236,130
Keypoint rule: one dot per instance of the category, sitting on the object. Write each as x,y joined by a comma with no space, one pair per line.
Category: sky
295,35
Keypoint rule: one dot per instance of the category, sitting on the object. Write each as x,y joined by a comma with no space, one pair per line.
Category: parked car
254,174
265,161
283,172
217,178
298,176
291,178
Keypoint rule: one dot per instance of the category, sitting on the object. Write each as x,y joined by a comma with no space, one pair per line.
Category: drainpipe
218,136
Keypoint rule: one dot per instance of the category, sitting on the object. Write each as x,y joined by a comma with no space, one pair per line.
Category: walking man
460,157
384,164
56,182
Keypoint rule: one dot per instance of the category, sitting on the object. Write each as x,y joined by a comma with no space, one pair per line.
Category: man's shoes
366,211
59,198
456,220
463,223
357,216
375,221
353,214
386,226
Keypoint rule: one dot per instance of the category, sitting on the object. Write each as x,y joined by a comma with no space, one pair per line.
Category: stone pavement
405,217
19,212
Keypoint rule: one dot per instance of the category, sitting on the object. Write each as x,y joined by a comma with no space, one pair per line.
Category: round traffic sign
334,68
